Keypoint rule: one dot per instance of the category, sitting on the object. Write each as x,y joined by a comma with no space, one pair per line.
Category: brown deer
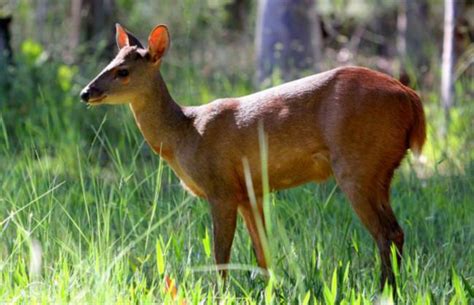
350,122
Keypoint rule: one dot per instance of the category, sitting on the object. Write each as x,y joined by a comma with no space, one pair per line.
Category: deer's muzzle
91,94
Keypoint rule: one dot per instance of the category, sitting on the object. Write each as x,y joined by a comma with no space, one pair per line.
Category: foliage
88,215
80,190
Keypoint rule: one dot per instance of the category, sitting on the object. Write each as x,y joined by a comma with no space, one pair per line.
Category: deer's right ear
158,42
125,38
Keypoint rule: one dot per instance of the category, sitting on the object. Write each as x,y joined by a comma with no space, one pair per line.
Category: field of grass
89,215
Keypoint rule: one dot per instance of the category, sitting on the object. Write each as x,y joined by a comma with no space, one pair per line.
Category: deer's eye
122,73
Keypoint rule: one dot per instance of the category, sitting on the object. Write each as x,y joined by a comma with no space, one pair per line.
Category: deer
350,123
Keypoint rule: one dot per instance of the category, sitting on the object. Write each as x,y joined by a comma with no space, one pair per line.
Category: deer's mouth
96,100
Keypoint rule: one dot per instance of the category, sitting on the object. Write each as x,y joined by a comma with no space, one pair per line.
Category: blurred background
51,48
81,183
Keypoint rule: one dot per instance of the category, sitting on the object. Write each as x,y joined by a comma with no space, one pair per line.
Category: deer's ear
125,38
121,36
158,42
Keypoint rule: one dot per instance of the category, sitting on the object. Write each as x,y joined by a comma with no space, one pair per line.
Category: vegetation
89,215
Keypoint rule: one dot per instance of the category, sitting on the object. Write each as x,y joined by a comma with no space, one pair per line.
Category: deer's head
131,71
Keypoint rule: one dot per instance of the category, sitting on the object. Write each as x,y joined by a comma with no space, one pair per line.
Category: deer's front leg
224,219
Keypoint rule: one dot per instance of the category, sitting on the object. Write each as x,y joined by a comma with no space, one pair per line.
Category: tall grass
89,215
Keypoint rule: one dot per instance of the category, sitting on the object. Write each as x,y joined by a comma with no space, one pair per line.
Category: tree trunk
6,54
92,21
75,30
100,19
41,16
413,37
448,59
288,39
237,13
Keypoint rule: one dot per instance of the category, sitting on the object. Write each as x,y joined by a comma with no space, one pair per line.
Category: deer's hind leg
368,192
251,219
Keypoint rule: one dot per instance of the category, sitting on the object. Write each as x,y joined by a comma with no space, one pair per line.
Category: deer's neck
160,119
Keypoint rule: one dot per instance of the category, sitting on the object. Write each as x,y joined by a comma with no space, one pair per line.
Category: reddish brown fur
351,122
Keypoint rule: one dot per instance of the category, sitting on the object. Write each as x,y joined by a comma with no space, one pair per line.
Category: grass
89,215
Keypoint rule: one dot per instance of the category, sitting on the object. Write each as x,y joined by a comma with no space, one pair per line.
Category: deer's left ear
158,42
125,38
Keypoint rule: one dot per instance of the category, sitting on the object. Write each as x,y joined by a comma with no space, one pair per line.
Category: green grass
81,192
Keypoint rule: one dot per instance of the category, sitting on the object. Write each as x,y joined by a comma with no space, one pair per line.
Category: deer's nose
85,94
